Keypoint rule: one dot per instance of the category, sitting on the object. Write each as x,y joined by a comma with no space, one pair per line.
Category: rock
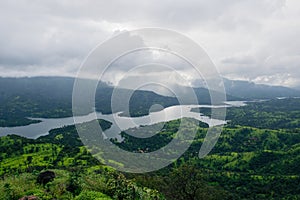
29,198
45,177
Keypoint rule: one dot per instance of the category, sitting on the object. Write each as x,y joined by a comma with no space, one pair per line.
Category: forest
251,160
51,97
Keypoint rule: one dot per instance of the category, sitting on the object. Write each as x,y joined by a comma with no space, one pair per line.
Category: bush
92,195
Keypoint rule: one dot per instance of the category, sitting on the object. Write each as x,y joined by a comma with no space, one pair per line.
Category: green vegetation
254,158
246,163
78,174
269,114
76,183
51,97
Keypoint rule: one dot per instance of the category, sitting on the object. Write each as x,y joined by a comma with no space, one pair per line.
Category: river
119,122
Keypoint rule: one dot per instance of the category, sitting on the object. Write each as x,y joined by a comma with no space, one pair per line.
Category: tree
187,183
29,160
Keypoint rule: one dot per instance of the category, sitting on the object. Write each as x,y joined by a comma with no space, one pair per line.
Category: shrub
92,195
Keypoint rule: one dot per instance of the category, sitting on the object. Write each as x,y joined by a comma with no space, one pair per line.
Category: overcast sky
257,40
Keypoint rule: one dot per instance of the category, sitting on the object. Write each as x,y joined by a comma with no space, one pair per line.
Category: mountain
249,90
51,97
236,90
203,96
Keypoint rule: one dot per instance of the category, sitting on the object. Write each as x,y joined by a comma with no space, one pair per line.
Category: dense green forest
249,161
78,175
269,114
51,97
256,157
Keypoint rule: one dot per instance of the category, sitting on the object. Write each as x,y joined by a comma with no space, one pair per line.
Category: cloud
250,39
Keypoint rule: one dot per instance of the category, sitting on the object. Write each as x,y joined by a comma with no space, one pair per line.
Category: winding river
119,122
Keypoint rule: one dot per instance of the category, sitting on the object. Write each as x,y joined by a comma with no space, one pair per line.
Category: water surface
119,122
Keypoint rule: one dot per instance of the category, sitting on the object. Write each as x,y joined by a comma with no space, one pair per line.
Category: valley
256,156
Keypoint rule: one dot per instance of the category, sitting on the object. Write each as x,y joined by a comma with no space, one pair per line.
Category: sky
254,40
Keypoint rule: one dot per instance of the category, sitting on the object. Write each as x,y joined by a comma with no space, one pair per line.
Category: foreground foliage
249,161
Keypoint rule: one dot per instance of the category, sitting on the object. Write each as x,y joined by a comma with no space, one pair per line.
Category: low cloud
256,40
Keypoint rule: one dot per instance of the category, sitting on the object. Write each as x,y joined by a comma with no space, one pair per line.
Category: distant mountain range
51,97
249,90
62,87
